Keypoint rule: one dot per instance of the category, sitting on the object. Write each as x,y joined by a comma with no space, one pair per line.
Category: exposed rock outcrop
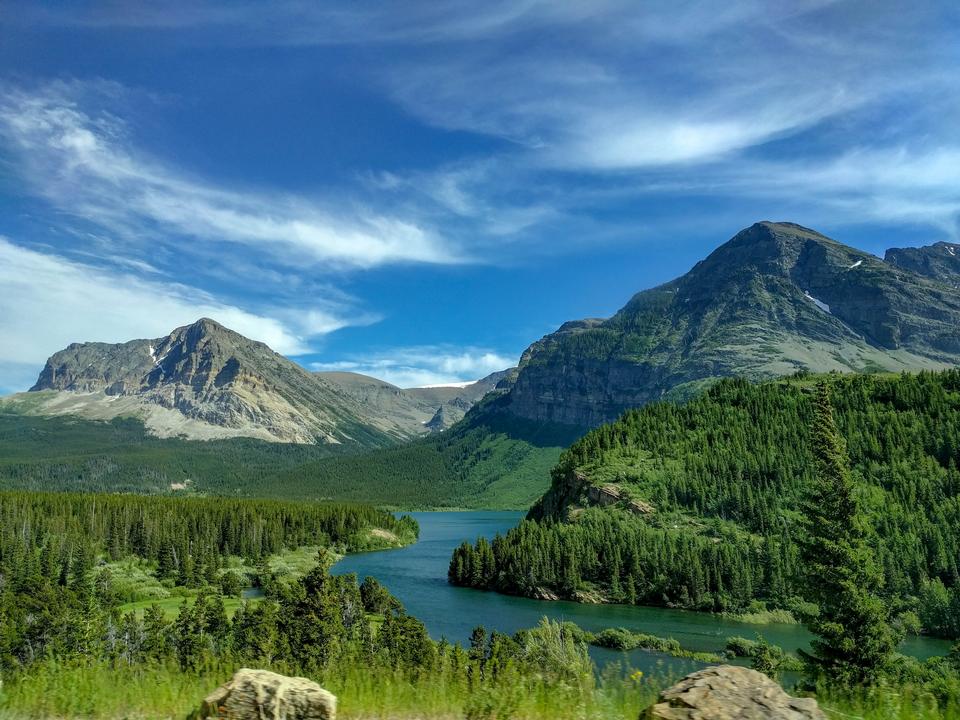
940,261
264,695
727,692
203,377
573,491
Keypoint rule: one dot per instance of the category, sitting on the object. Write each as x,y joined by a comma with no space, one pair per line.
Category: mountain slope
940,261
775,299
418,409
492,459
204,381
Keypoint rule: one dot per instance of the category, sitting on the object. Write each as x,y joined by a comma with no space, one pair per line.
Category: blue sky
420,190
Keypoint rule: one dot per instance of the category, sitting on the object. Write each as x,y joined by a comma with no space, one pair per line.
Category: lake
417,575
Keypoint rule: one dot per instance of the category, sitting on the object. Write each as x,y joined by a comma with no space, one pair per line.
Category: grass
99,692
171,606
764,617
134,579
135,582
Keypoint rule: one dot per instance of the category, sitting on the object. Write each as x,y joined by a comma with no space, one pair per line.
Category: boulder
727,692
264,695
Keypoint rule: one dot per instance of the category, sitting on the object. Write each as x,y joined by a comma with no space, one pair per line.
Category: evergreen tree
156,634
855,640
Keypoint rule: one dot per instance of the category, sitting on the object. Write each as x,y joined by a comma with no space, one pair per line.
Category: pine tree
855,640
156,630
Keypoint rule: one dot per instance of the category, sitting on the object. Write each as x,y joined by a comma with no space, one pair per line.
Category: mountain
775,299
204,381
940,261
431,409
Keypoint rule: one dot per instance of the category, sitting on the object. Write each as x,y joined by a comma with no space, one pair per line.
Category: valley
655,466
479,361
744,311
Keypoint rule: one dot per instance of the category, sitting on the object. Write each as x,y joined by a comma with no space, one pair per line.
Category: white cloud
83,163
896,184
424,365
49,302
633,85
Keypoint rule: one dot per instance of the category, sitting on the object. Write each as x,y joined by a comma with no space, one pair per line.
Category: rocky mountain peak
209,381
204,380
775,298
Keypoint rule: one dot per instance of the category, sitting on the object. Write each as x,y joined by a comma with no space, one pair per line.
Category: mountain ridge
205,381
940,261
774,299
213,377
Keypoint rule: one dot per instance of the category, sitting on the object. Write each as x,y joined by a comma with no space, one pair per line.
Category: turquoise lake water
417,575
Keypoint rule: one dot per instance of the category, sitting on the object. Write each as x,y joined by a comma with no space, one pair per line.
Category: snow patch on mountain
819,303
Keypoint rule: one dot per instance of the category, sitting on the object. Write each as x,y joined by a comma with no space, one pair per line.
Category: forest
723,478
70,645
491,460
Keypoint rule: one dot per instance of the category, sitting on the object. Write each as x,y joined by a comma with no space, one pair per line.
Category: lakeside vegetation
725,475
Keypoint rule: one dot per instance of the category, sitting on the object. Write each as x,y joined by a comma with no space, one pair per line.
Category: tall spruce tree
855,640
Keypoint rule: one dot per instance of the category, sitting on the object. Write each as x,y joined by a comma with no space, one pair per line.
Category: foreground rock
727,692
259,694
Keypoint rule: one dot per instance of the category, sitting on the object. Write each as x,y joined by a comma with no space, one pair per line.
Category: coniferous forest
67,638
701,504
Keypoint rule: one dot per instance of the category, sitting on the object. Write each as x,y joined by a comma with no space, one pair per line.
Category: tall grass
97,691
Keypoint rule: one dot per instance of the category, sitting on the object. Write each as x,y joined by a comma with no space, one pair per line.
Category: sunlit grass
99,692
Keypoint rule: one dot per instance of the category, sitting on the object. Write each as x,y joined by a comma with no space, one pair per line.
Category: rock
260,694
727,692
940,261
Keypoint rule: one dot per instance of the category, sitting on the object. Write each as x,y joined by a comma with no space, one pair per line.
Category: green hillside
696,505
492,460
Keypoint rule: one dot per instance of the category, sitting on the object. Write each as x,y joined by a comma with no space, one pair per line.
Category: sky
419,190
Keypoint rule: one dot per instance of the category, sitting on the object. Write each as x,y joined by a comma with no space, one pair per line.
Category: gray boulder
264,695
727,692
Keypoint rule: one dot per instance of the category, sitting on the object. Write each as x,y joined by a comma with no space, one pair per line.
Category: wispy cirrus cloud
910,184
547,127
840,111
421,366
83,162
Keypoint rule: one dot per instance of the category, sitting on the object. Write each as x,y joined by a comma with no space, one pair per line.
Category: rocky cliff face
775,299
940,261
203,380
